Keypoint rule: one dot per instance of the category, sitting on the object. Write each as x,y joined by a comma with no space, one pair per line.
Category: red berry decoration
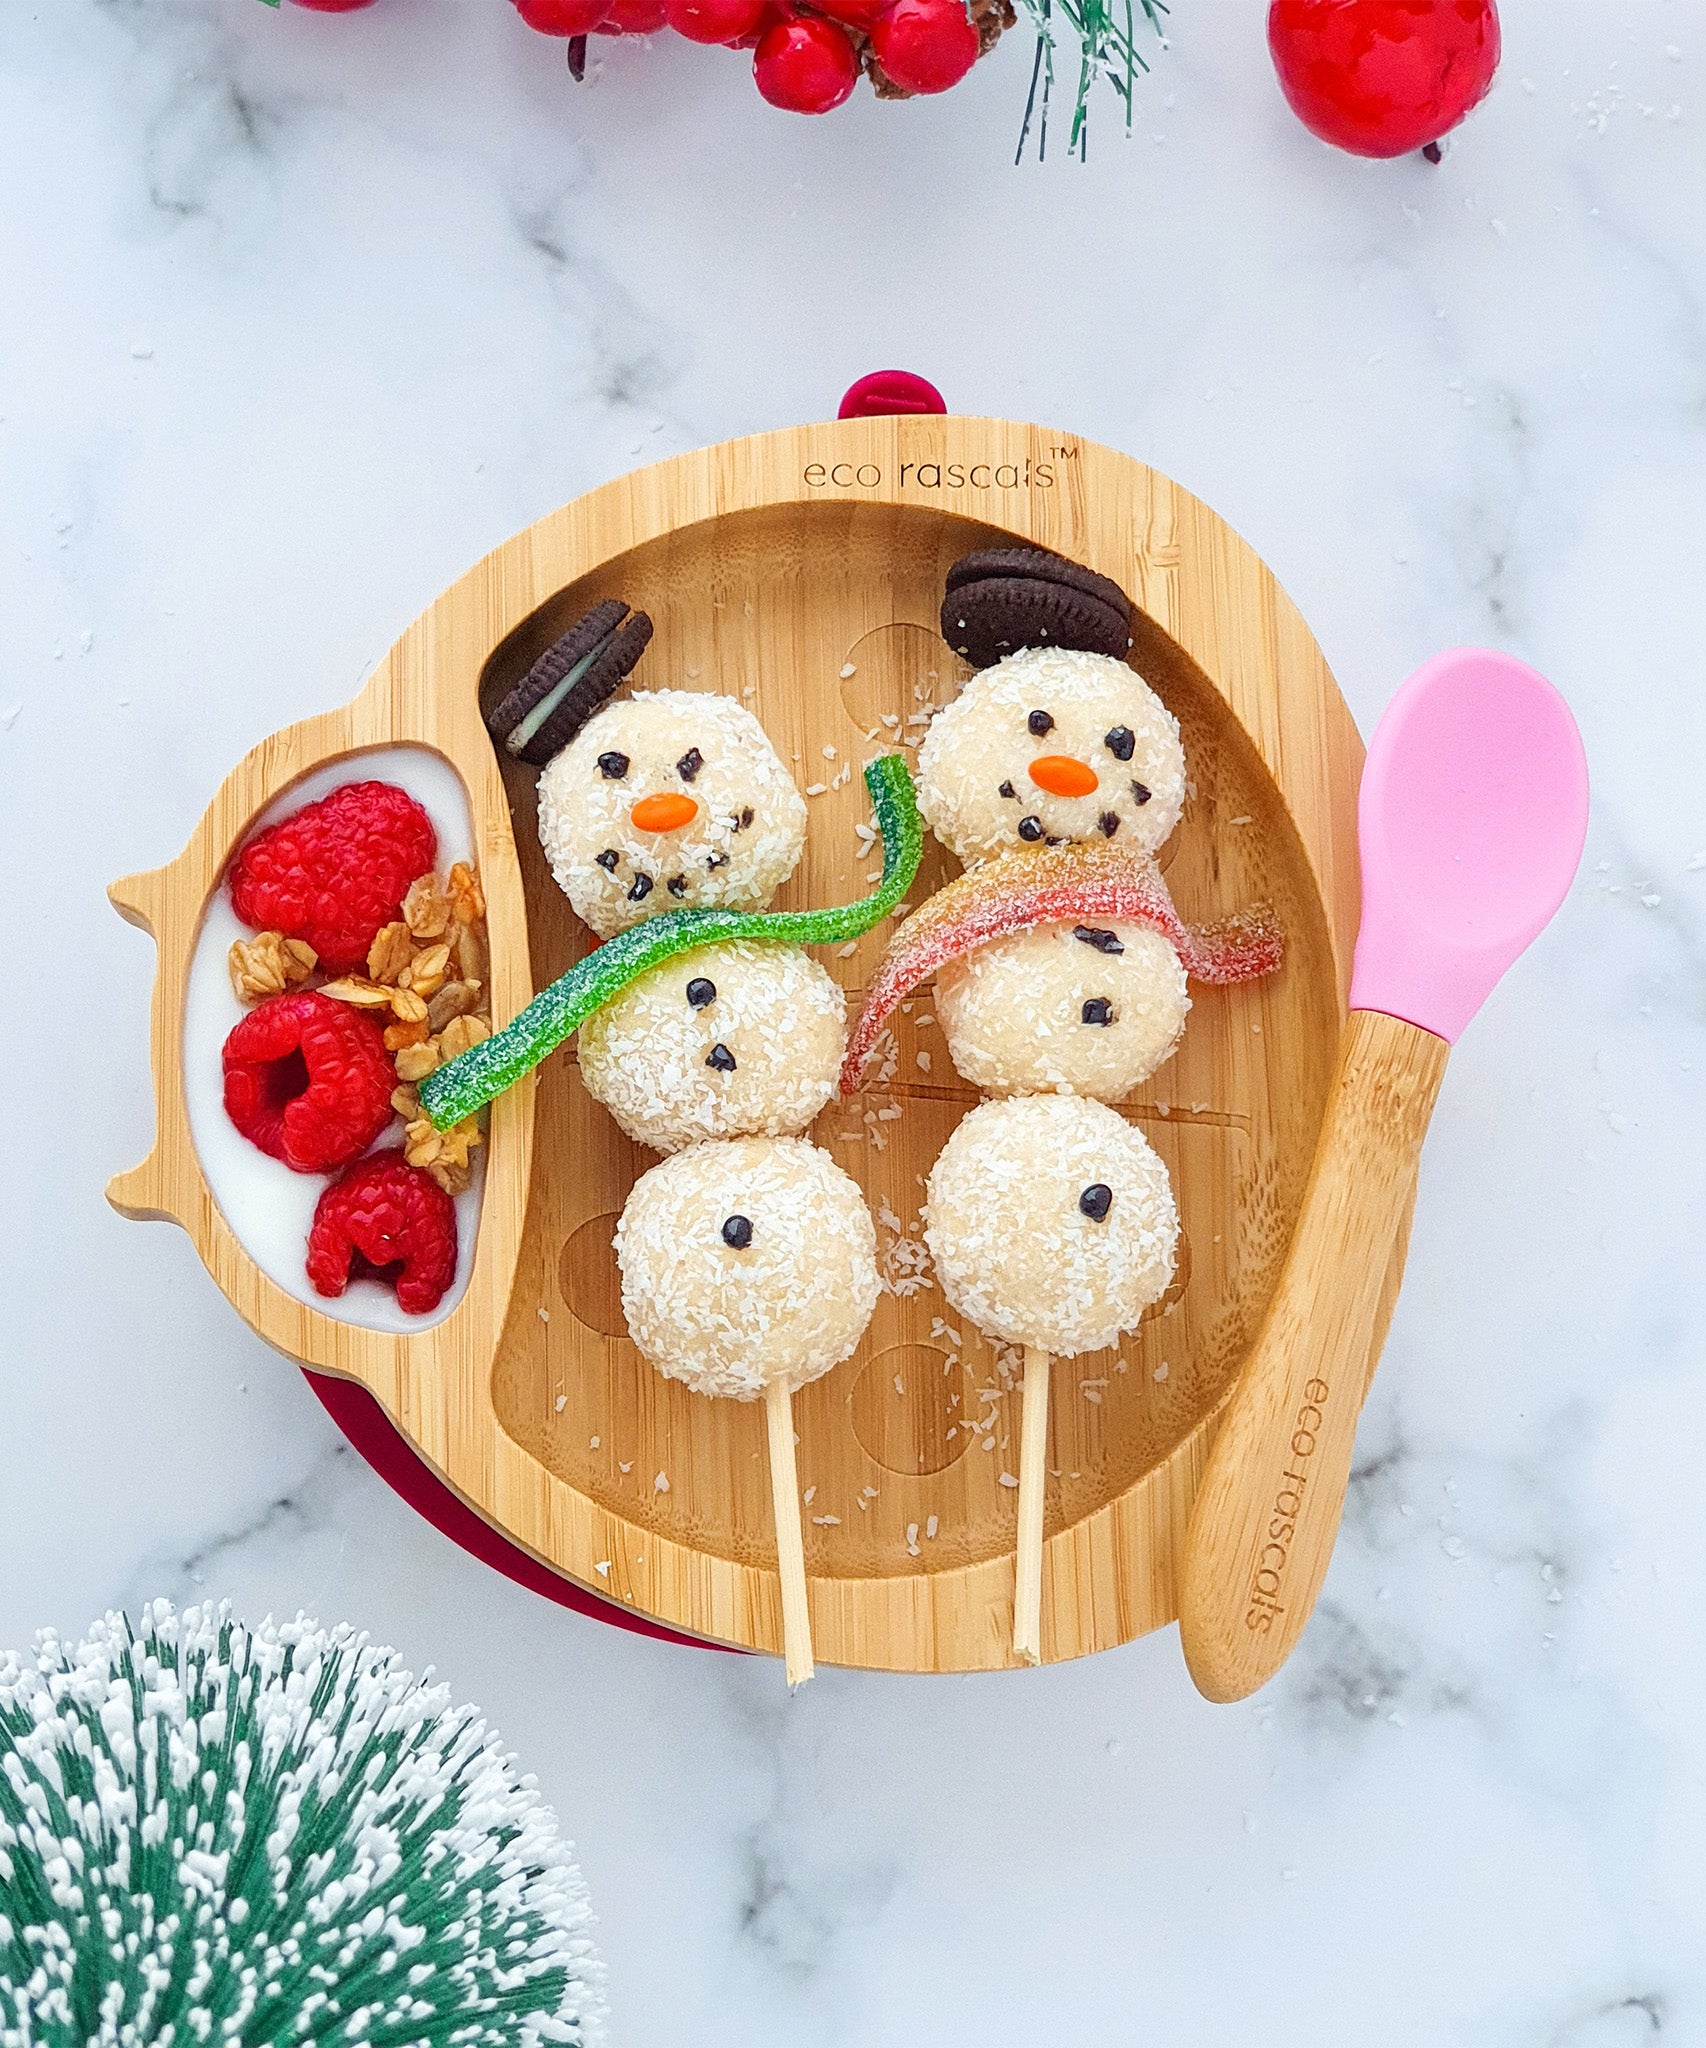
859,14
714,21
633,18
563,17
805,66
385,1220
926,45
333,872
1383,77
308,1080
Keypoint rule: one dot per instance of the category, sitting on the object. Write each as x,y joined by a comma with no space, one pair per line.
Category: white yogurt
267,1205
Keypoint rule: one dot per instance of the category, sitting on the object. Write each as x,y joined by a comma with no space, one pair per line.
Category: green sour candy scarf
484,1071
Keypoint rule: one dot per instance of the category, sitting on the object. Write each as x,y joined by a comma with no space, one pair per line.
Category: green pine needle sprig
1106,33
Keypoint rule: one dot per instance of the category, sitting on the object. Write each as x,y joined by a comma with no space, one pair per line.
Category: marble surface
300,315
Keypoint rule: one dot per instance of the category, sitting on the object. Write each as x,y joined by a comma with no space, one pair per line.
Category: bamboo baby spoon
1471,819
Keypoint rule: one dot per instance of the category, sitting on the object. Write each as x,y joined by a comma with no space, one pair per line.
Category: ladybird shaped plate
802,572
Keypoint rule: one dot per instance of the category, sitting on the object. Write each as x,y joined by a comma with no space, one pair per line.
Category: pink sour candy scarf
1064,885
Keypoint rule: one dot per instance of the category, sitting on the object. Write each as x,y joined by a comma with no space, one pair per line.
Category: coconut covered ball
744,1262
725,1041
1051,1222
1051,747
1064,1009
666,799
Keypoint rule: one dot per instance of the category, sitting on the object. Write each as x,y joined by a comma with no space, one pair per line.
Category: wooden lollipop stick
790,1548
1033,1467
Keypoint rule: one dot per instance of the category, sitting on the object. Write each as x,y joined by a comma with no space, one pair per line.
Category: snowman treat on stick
748,1257
749,1269
1060,968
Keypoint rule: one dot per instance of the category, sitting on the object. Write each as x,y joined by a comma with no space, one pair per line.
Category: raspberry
385,1220
335,871
308,1080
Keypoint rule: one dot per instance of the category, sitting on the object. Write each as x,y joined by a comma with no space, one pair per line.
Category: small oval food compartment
268,1206
816,605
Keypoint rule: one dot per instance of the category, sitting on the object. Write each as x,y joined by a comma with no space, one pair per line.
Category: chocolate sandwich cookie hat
1001,599
577,674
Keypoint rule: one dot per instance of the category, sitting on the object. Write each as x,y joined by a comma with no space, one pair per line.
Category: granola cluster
427,969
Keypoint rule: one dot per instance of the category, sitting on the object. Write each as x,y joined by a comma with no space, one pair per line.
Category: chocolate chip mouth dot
720,1058
700,992
737,1233
1001,599
1096,1200
1030,828
1097,1010
577,673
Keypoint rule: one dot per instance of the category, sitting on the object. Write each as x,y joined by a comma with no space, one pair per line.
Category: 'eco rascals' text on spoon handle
1265,1519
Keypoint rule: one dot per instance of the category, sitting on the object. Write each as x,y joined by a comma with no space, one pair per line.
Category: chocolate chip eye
700,992
1110,823
678,885
720,1058
1007,790
690,764
1040,723
737,1233
1096,1200
607,860
1121,742
1138,791
1096,935
613,766
1030,828
717,860
641,890
1098,1010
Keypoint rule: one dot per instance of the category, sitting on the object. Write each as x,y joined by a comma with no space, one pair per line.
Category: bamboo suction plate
802,571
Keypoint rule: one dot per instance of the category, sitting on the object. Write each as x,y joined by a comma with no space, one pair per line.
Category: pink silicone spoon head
1473,810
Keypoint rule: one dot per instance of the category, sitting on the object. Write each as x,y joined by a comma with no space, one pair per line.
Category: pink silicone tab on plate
885,392
1471,820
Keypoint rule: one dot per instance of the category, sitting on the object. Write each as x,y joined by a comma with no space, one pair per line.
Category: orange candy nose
667,812
1062,775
